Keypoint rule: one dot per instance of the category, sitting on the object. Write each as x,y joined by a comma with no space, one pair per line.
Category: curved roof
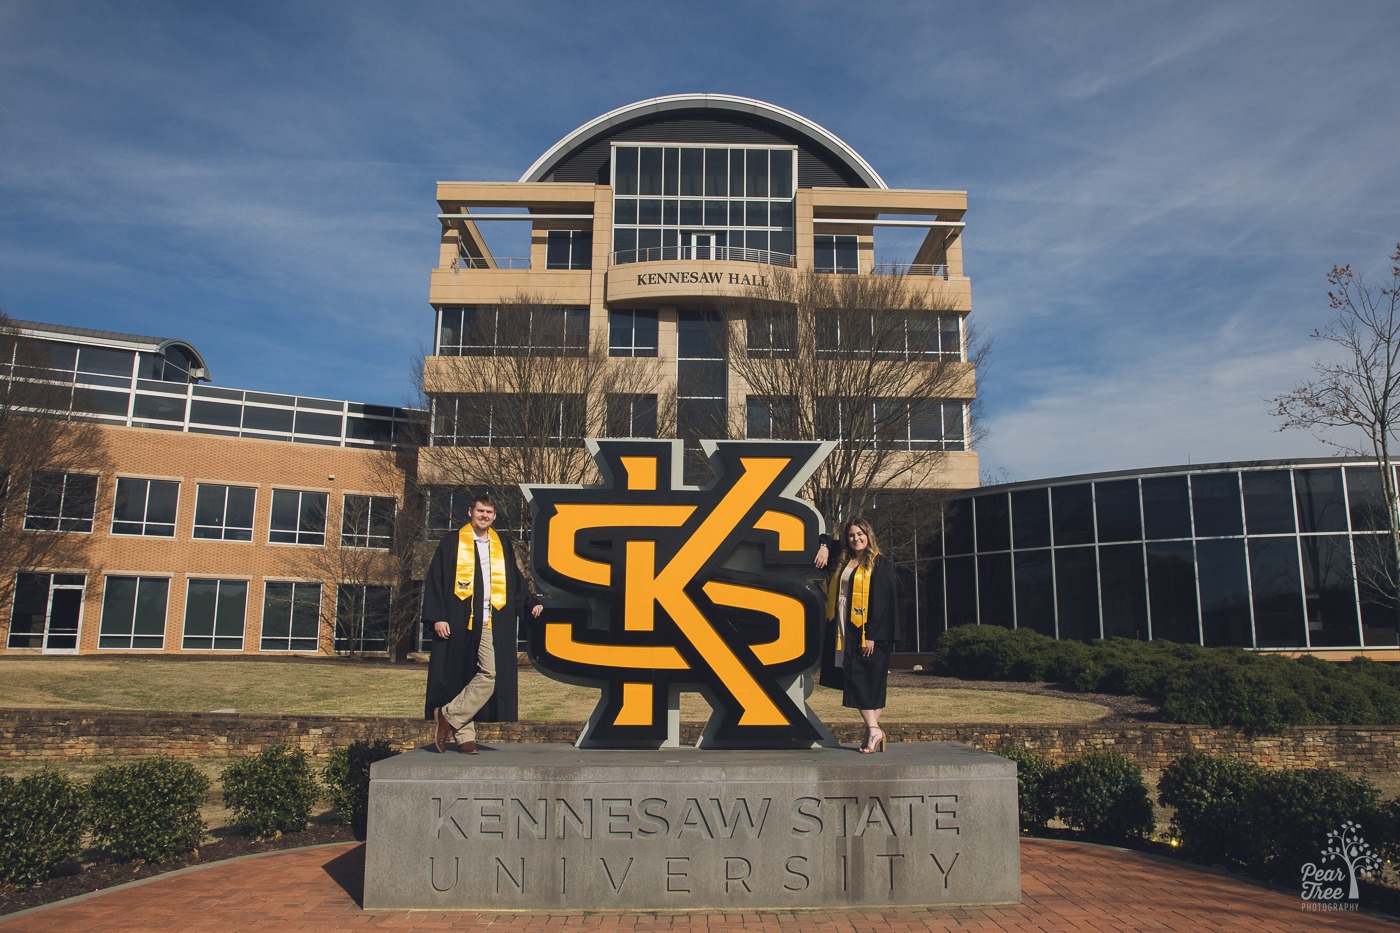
660,106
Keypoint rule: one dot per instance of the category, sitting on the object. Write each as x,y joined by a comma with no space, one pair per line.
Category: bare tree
881,363
48,454
530,385
1358,390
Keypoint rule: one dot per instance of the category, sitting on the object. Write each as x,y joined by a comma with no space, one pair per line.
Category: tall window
298,517
632,332
492,330
61,502
631,416
772,333
215,611
145,507
703,202
569,249
362,618
224,513
448,508
835,253
291,617
702,383
367,521
47,611
133,612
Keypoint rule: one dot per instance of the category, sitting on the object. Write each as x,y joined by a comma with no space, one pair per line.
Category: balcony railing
720,253
477,262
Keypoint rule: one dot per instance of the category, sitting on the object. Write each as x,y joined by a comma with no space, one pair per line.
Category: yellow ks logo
662,588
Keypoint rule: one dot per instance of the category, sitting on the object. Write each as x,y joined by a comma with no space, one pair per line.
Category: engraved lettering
807,812
847,803
674,876
520,809
945,872
641,280
845,874
909,811
490,816
875,817
519,882
655,824
788,866
733,278
693,818
892,857
443,817
563,874
433,874
618,811
940,824
737,869
730,822
565,815
616,883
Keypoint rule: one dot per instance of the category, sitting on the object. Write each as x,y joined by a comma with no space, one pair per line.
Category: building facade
1271,556
197,518
650,239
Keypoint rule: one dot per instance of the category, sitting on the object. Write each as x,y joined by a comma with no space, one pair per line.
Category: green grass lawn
341,688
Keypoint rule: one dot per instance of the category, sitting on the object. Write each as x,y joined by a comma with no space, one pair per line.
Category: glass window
772,333
993,522
1215,501
133,612
631,416
962,590
224,513
1166,508
1328,591
145,507
836,253
291,617
448,508
1375,571
298,517
1123,591
1077,592
1268,502
994,603
1224,582
632,332
1035,592
1321,505
367,521
569,249
61,502
957,527
1030,517
219,414
159,408
513,331
1073,510
1118,510
1366,499
362,618
1277,588
1171,587
215,611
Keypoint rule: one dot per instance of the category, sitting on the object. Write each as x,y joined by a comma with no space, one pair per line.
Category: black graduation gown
864,679
452,663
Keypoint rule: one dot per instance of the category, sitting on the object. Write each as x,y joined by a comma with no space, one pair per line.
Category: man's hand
441,629
539,607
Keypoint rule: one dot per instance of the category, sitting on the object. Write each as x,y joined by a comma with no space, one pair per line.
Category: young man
472,598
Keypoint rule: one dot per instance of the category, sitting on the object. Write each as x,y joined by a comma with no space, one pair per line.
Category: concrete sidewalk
1064,886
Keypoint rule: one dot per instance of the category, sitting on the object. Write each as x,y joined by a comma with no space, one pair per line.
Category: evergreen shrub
148,810
347,780
1103,795
272,792
1035,806
43,818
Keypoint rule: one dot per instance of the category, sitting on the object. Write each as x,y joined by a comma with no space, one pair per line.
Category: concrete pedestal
551,827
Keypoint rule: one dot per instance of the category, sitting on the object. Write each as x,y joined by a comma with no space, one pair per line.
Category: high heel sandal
873,744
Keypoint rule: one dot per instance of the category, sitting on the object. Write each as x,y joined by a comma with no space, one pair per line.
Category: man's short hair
485,498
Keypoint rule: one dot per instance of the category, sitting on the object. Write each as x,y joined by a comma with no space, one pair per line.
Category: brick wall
66,735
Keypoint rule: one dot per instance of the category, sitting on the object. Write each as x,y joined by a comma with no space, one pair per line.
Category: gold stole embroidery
859,605
466,569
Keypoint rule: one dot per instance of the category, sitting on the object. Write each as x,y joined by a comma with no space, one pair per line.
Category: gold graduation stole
860,598
466,569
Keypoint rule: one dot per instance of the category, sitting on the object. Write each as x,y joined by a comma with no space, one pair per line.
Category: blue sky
1156,190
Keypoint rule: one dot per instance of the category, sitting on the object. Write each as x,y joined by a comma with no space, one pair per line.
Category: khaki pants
465,705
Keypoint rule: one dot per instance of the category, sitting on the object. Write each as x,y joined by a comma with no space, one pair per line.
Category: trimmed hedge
43,818
1033,803
271,793
1102,795
347,780
1191,684
148,810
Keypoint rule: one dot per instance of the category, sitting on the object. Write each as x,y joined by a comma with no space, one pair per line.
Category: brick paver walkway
1064,887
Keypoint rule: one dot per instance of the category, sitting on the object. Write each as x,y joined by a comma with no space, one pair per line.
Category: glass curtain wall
1276,556
703,202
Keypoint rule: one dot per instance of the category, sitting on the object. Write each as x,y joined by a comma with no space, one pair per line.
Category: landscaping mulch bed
1122,708
93,872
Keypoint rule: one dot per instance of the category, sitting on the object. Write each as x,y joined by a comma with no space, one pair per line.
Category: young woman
863,600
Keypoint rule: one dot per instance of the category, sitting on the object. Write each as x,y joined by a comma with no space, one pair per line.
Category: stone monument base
552,827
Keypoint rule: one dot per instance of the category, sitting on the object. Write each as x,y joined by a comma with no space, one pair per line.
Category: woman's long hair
872,548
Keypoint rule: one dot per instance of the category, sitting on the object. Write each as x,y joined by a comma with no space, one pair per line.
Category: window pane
1118,510
1224,593
1166,508
1035,592
1076,592
994,589
1366,499
1123,591
1073,510
1030,518
1330,596
993,522
1171,576
1278,590
1215,501
1321,506
1268,502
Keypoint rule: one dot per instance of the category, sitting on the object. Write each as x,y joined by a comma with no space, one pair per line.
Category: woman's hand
867,649
820,560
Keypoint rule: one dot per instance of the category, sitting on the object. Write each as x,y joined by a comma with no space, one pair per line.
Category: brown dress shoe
444,732
468,748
